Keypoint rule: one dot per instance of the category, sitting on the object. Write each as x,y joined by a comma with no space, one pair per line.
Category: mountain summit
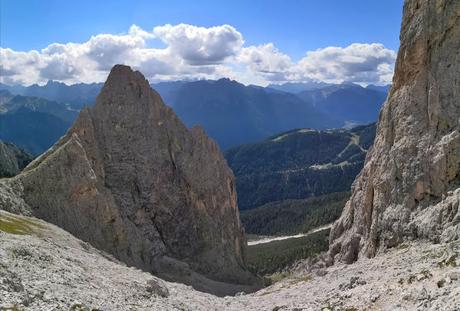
132,180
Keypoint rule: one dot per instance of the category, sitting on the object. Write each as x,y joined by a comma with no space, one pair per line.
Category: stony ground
42,267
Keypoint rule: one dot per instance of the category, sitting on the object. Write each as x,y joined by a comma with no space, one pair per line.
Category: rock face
12,159
132,180
409,185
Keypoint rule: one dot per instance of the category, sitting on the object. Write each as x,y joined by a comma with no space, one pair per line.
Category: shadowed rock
409,187
132,180
12,159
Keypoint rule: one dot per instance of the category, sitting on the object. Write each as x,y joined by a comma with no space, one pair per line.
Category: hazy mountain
76,95
233,114
81,94
349,103
32,130
168,90
33,123
381,88
297,87
11,103
12,159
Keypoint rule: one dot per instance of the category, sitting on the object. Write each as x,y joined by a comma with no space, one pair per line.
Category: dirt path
280,238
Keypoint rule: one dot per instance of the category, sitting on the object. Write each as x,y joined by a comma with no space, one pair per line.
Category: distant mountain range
235,114
231,113
33,123
76,95
295,88
347,103
12,159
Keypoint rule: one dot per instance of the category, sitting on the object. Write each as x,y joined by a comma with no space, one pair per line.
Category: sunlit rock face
409,186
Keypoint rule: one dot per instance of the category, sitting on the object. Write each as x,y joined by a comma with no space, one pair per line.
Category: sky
258,42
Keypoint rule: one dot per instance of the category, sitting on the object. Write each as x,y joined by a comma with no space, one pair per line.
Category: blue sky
294,27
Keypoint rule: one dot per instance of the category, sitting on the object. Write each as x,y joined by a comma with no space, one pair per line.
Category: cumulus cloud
193,52
15,64
200,45
267,61
361,63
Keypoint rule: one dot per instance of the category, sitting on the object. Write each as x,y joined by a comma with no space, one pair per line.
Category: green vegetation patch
18,225
268,258
298,164
294,216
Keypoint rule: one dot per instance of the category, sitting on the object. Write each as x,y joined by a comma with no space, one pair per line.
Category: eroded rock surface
408,187
132,180
43,267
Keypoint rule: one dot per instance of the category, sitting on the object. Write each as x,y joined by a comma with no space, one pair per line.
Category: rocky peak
132,180
409,187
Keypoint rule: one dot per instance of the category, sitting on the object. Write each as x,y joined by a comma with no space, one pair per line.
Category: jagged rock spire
132,180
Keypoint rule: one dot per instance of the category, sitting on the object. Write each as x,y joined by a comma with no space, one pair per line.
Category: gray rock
408,187
374,297
156,288
454,275
78,275
132,180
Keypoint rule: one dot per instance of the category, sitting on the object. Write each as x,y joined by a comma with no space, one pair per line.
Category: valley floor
268,239
42,267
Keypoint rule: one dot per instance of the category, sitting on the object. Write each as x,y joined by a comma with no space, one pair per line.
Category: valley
178,184
230,112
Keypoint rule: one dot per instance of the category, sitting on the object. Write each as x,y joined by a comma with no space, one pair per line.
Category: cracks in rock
161,234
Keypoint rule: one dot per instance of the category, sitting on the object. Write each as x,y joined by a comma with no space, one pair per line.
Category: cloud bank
192,52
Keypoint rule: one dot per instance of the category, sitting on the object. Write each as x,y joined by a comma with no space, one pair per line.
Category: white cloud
19,64
200,45
193,52
361,63
267,61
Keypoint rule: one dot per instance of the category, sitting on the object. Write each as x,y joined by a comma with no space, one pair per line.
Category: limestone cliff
409,186
132,180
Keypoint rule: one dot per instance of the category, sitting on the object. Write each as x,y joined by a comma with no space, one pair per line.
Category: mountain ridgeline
297,180
235,114
76,96
33,123
346,103
299,164
231,113
12,159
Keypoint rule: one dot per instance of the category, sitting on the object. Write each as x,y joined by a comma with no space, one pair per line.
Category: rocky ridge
409,187
132,180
